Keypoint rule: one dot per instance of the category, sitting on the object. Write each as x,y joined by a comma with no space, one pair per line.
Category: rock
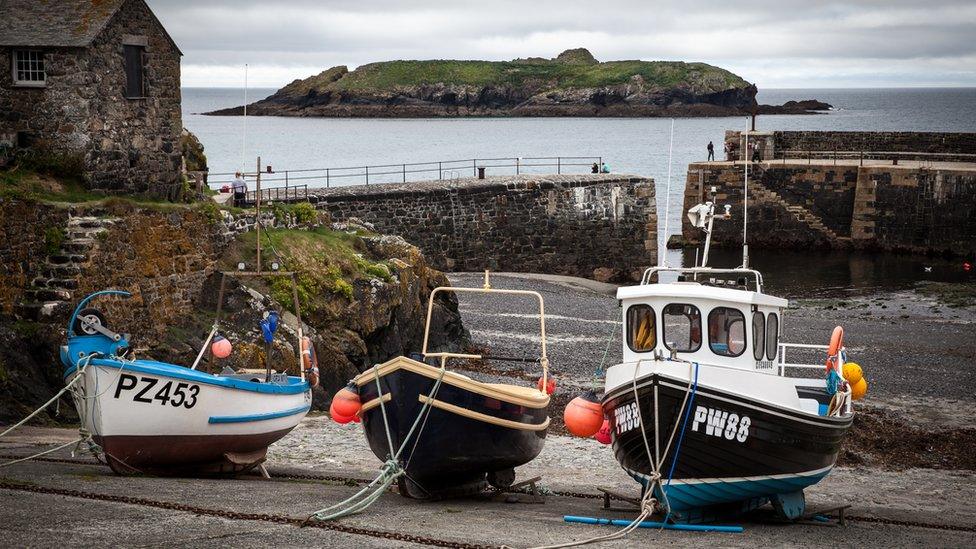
606,274
807,106
523,87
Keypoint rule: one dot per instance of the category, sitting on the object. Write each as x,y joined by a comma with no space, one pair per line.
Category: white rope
44,453
648,501
391,470
66,388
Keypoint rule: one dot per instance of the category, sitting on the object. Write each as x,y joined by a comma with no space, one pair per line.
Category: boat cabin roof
691,291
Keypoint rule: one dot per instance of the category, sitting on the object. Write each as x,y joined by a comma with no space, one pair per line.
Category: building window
682,327
28,68
758,335
772,336
134,71
641,331
727,331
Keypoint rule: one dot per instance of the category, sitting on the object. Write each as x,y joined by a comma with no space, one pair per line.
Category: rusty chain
235,515
577,495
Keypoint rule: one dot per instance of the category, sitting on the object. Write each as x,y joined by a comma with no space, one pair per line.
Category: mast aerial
244,134
667,204
745,207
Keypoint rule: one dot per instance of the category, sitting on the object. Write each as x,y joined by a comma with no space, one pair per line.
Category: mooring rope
391,470
85,436
648,501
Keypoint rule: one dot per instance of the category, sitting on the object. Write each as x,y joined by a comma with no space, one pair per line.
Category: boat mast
667,205
745,208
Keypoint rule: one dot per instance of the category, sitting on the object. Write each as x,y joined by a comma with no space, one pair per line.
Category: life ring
836,341
310,362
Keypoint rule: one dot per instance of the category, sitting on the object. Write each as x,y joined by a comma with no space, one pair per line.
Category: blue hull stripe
695,495
295,385
258,417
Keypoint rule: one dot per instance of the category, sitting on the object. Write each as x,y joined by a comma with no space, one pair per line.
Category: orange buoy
346,402
341,420
357,419
550,385
836,341
310,362
859,389
603,435
221,347
584,415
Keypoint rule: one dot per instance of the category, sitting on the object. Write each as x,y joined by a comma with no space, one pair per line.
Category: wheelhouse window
28,68
727,331
682,327
758,335
772,336
134,71
641,329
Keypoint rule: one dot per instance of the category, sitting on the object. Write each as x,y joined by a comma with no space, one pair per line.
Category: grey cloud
751,33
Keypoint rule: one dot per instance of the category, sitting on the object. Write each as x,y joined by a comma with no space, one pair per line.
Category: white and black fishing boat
450,434
704,410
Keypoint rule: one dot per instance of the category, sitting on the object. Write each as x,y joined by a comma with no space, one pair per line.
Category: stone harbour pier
600,226
894,191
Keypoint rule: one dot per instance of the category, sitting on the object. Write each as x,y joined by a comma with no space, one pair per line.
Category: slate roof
56,23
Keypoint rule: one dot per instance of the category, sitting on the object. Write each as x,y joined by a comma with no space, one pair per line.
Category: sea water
628,145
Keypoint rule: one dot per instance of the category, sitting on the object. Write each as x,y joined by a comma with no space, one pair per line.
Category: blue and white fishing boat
159,418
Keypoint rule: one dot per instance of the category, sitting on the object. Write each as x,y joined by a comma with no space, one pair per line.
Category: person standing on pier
239,188
728,151
711,152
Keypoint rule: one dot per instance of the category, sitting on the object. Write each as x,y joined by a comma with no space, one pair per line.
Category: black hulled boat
464,435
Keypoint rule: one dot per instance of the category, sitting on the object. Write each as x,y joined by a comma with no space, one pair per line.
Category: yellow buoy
852,372
859,389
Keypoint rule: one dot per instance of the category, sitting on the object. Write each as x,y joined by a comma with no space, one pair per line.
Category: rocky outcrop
572,84
806,106
170,258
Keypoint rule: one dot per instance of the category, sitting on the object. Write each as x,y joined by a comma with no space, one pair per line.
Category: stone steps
52,292
800,213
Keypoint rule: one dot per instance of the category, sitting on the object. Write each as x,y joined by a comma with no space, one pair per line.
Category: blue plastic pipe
664,525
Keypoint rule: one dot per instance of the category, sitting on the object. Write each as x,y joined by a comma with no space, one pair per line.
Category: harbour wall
890,146
913,209
602,226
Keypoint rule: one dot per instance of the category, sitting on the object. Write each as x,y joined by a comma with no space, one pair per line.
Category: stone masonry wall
928,211
919,142
893,208
128,145
560,224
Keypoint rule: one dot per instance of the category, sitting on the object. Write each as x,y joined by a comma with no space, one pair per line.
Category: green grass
327,263
699,77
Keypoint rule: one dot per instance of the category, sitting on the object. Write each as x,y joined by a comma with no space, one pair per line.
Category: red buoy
550,385
341,420
584,415
221,347
346,402
603,435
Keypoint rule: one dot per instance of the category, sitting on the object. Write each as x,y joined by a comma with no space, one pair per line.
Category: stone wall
921,142
799,206
29,235
127,145
916,210
560,224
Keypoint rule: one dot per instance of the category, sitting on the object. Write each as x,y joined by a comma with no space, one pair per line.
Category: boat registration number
149,390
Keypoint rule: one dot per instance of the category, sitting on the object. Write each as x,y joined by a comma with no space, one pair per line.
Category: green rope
391,470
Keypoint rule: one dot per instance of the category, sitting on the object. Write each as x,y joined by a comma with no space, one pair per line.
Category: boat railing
696,272
800,348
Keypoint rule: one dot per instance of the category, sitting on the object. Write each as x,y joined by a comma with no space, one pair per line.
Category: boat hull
734,449
164,419
466,435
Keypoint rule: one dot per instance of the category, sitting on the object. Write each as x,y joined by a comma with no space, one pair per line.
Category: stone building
95,81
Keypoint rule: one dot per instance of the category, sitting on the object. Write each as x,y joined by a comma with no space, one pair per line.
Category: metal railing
888,157
411,171
783,364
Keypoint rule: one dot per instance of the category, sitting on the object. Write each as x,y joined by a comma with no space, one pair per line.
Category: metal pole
327,178
440,173
404,173
367,174
257,218
558,165
286,186
517,166
474,167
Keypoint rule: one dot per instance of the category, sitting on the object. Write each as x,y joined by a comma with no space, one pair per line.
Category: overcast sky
776,44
